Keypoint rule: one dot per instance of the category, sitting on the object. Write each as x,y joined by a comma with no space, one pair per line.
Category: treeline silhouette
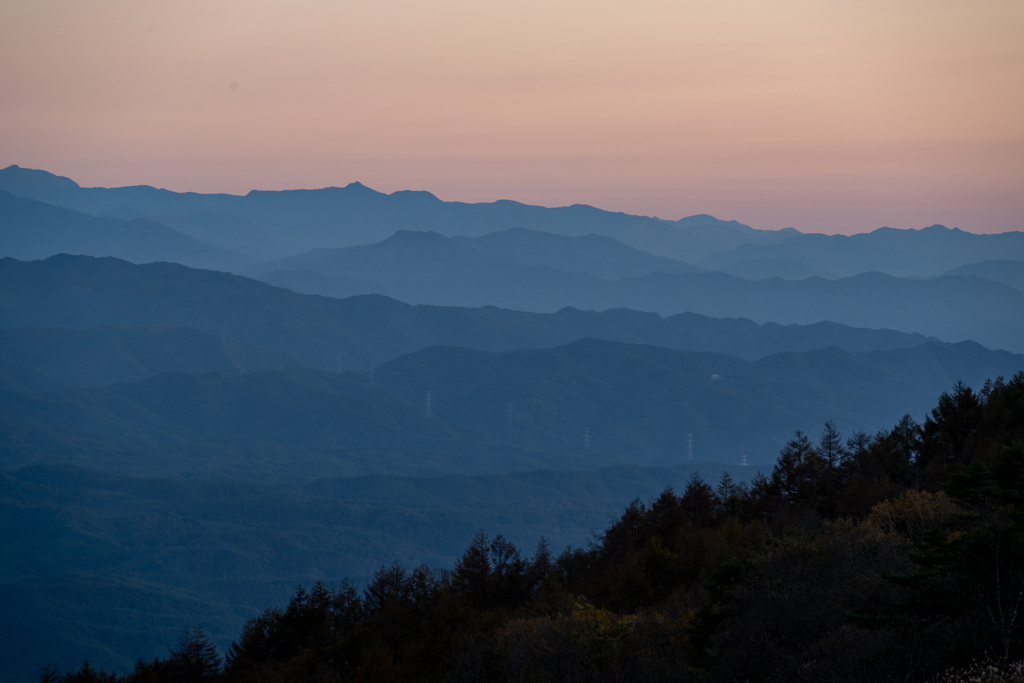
893,556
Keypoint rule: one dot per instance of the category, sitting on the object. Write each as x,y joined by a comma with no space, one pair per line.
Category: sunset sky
828,116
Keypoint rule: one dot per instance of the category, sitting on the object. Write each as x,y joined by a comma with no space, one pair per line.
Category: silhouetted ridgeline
272,225
420,253
891,557
293,221
904,253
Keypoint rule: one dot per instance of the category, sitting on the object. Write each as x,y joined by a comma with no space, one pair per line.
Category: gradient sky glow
824,115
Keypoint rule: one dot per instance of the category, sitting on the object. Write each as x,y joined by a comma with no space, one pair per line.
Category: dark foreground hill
355,333
582,405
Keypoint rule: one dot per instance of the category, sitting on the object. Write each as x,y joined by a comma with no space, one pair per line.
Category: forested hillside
892,557
589,403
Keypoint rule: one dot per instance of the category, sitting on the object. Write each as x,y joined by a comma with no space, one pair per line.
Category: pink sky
837,116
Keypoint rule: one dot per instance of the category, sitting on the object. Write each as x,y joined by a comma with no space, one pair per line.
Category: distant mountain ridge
1007,272
353,334
428,268
269,225
300,220
415,257
31,230
927,252
595,254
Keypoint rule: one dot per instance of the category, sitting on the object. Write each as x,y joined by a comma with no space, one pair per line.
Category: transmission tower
689,446
744,463
429,401
509,418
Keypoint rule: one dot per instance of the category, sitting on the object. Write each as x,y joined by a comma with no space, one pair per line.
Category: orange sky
825,115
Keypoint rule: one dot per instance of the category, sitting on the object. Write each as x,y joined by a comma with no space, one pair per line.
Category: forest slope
584,404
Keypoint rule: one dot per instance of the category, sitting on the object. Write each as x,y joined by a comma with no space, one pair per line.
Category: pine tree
830,447
472,574
796,472
726,488
541,565
390,584
195,659
698,500
508,572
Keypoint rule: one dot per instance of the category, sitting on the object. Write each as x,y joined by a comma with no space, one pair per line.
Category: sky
834,116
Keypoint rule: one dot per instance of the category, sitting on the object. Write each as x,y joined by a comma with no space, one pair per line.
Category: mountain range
299,220
270,225
902,253
1007,272
935,282
426,267
33,230
291,329
584,404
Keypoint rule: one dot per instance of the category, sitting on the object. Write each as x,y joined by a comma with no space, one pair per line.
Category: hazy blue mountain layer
110,568
293,221
271,225
225,230
584,404
355,333
904,253
1008,272
407,256
54,189
764,269
427,268
41,359
32,230
415,257
601,256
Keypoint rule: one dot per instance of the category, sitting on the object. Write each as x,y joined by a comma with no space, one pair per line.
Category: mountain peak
359,187
14,177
